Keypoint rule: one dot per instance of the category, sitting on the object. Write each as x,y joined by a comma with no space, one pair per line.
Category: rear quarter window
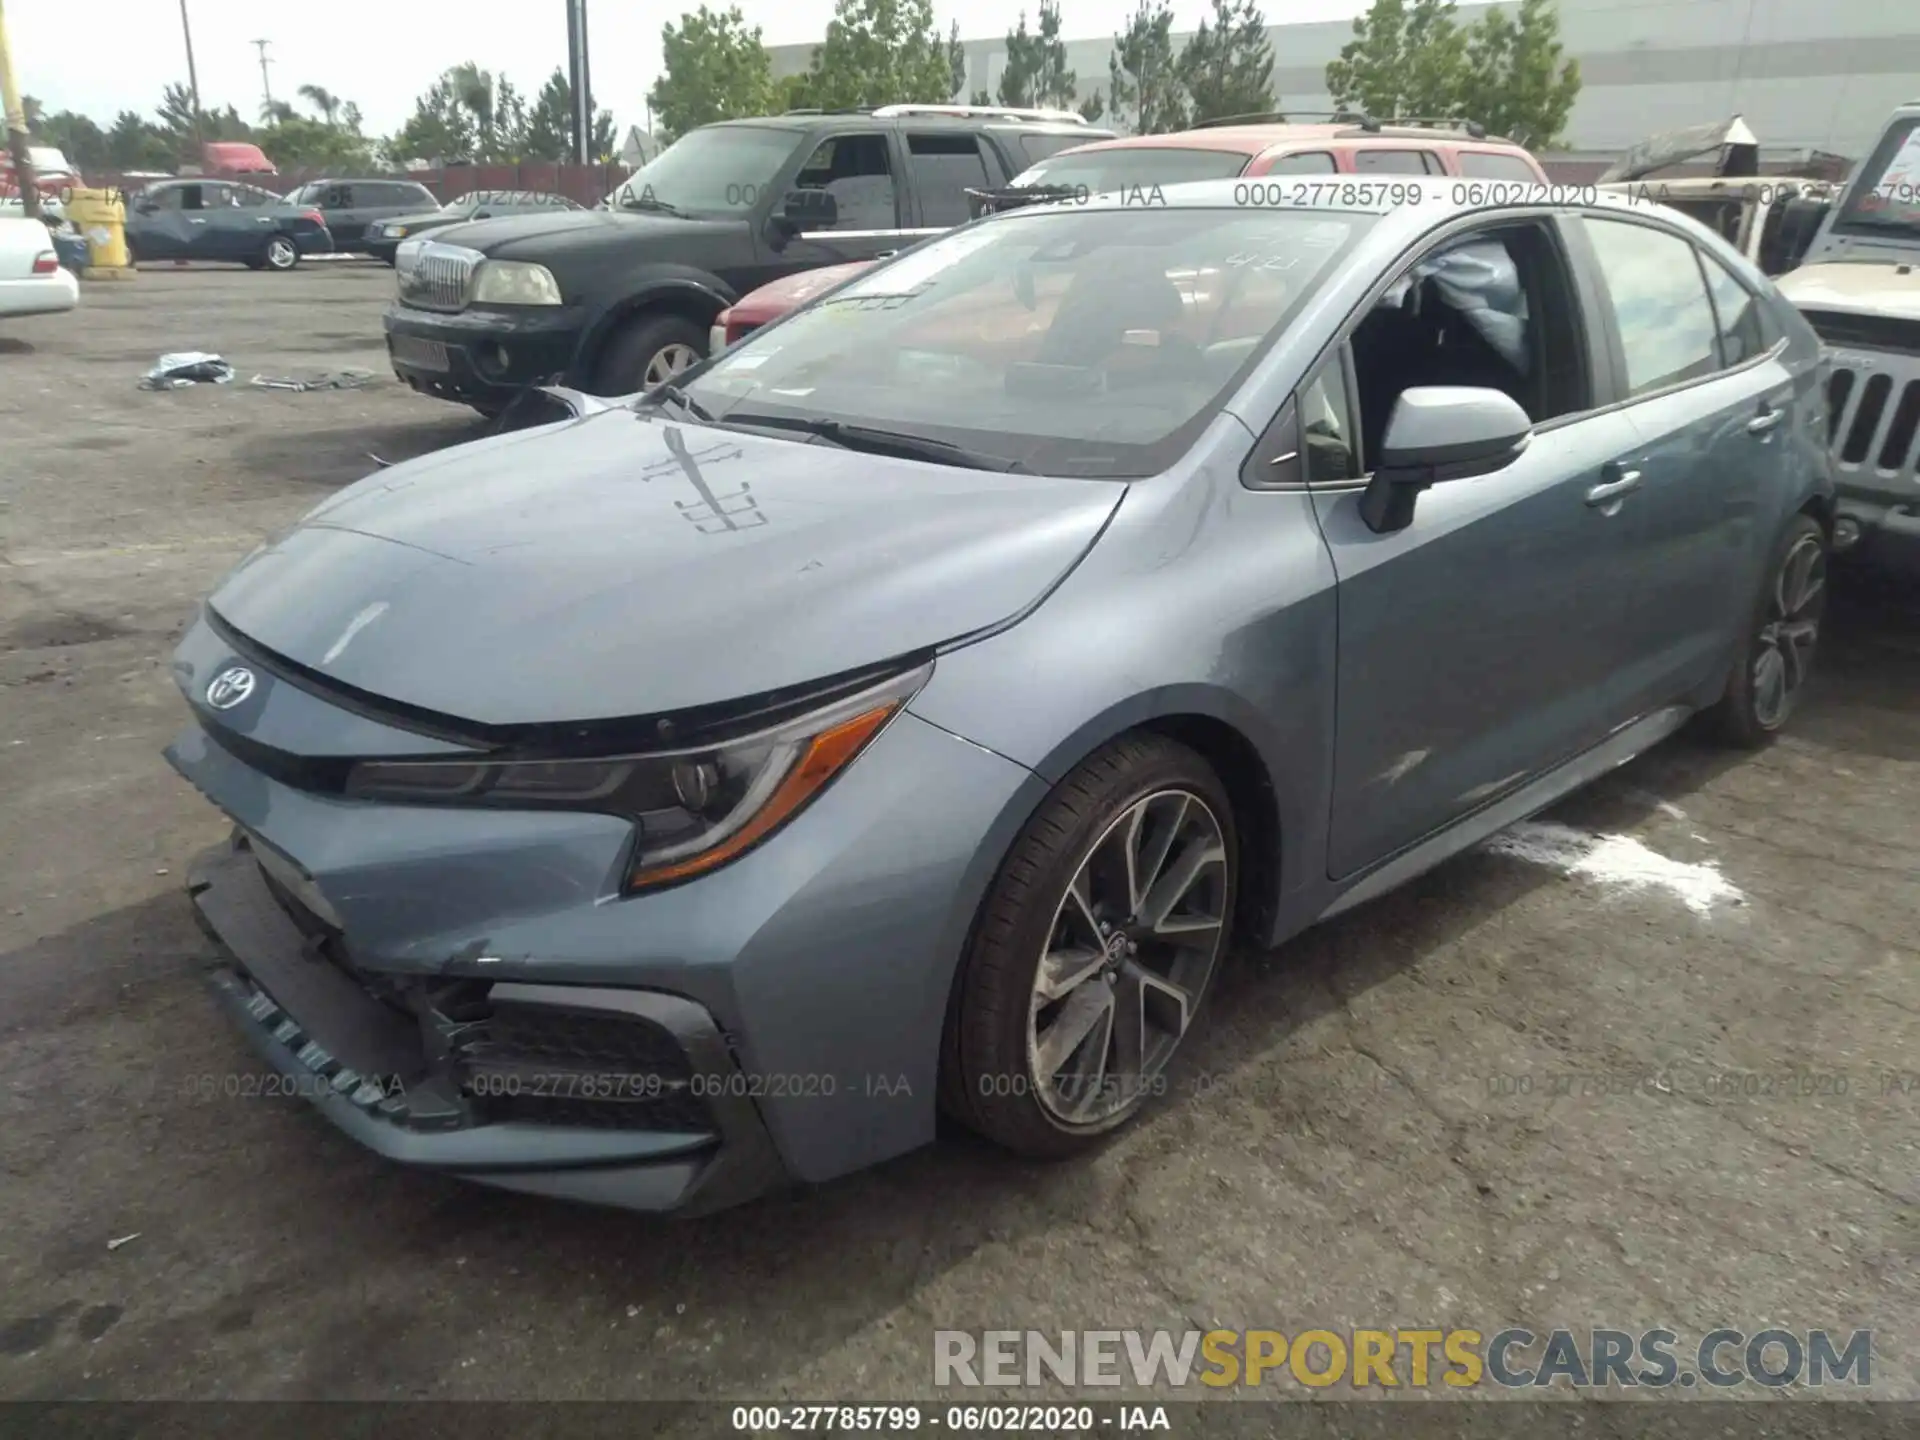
1485,165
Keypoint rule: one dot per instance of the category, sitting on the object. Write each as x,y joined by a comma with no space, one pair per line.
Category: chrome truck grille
438,277
1873,394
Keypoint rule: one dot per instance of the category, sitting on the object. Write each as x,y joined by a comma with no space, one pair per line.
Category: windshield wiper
667,390
652,203
881,442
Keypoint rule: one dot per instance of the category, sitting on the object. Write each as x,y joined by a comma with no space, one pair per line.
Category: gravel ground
1427,1112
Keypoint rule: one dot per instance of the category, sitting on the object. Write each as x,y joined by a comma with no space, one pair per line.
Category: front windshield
1064,341
718,170
1097,171
1886,197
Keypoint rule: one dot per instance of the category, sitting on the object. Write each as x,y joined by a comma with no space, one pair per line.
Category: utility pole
582,88
10,98
193,85
266,85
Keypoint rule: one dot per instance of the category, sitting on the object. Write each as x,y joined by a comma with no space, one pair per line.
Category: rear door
941,167
1709,400
347,212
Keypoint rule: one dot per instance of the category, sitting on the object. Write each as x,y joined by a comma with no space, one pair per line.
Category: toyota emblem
230,687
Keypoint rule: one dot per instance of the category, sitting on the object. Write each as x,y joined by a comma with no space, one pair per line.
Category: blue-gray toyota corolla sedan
907,710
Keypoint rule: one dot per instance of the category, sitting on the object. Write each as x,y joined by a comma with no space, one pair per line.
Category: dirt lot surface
1432,1111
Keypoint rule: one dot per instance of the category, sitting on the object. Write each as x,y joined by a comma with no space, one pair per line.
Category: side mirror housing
804,210
1439,433
144,207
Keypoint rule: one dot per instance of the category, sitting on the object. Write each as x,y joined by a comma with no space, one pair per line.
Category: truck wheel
648,351
279,254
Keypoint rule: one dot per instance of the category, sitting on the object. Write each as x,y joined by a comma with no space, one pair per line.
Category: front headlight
693,810
408,254
393,232
515,282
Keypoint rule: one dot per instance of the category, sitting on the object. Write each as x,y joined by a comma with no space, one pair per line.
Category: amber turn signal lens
826,755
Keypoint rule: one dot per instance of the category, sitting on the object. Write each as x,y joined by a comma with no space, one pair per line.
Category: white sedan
31,280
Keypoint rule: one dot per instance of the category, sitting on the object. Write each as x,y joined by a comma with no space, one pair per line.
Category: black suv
351,206
611,301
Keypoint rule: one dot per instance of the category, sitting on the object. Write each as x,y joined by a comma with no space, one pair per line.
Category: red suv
1218,150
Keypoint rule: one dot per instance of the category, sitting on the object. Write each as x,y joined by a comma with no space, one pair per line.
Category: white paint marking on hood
354,626
1616,861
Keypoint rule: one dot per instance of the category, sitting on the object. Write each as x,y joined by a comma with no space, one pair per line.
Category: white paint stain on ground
1616,861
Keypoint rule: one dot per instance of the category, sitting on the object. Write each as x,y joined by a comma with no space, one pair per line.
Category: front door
1478,646
861,170
1709,401
163,232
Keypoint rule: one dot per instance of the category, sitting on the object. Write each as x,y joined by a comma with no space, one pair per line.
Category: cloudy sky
382,55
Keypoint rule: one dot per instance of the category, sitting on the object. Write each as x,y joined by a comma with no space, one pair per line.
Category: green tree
793,92
74,135
881,52
323,100
549,128
1517,83
716,68
1406,58
1037,72
296,141
956,59
136,143
441,128
1227,67
1093,107
177,122
1143,85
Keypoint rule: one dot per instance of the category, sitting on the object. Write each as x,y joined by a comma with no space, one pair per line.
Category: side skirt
1610,754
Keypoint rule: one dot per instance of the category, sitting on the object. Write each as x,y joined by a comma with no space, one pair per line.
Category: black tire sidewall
1737,721
987,1023
622,367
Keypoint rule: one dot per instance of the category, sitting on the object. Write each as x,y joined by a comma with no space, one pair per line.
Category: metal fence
584,184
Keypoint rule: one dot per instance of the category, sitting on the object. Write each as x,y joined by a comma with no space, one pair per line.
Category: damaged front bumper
617,1097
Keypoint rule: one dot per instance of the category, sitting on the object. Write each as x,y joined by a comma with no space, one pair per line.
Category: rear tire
647,351
1778,642
279,254
1075,937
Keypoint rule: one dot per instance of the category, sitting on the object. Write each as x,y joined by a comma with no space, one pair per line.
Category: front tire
1777,648
280,254
1093,950
647,352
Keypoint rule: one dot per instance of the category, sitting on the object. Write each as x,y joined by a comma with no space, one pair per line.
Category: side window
1660,304
1738,311
855,171
1494,307
1393,162
197,197
1310,162
338,197
1329,443
1485,165
945,167
173,197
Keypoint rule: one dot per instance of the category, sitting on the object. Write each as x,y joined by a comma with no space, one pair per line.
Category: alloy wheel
280,254
668,361
1790,631
1132,944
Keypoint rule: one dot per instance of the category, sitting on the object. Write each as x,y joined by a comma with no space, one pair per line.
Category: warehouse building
1807,74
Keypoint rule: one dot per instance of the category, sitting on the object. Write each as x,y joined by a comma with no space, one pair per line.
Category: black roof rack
1292,117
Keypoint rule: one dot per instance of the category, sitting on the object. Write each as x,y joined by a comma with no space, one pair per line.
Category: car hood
537,237
617,566
790,292
1856,287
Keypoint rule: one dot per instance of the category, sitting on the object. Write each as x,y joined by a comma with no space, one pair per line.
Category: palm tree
323,100
475,89
276,112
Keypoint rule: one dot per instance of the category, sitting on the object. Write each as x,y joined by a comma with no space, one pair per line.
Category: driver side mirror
804,210
1438,433
144,207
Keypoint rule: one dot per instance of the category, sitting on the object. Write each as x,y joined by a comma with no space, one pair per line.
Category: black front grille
1870,332
555,1066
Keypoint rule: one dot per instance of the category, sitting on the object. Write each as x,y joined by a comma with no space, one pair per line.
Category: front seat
1126,290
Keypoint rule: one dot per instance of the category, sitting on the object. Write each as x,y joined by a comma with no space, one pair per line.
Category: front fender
687,287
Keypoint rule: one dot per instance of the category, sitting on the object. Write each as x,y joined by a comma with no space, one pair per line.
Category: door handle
1623,483
1765,420
886,254
194,220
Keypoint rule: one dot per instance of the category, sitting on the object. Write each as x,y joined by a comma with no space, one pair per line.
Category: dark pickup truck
611,301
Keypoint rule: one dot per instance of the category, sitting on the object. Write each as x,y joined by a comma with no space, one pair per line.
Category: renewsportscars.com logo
1512,1359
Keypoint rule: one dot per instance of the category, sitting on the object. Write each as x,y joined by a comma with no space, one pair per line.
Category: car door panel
1478,645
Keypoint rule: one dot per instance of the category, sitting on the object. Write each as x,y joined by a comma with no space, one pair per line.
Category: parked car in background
1245,146
54,176
351,207
667,755
222,220
1860,290
32,279
384,237
610,301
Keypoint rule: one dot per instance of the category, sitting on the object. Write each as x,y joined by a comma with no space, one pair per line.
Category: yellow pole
17,128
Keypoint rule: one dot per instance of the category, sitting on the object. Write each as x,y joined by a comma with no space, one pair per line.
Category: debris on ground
187,367
324,380
123,1240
